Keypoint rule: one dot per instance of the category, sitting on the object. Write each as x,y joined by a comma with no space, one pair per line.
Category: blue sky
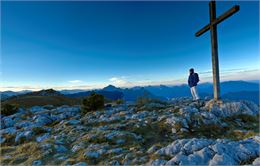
68,45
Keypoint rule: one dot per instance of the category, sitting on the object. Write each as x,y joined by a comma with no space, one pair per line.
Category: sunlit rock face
209,152
229,108
179,132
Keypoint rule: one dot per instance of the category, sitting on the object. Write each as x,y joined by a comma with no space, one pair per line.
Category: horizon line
251,74
122,87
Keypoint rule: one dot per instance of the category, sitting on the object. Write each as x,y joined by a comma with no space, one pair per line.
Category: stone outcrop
180,132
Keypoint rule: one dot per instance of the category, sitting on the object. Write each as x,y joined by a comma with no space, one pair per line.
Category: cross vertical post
212,26
214,50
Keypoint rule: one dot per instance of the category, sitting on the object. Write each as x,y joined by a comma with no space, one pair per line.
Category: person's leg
192,93
196,93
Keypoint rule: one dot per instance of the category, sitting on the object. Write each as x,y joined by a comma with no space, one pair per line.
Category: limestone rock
43,137
26,135
37,163
8,122
256,161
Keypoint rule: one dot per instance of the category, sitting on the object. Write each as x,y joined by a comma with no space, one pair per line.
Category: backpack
196,77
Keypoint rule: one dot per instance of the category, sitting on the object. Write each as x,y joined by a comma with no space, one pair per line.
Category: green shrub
119,101
93,102
8,109
38,130
141,101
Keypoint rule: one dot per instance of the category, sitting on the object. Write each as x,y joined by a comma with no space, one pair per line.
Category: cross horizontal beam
224,16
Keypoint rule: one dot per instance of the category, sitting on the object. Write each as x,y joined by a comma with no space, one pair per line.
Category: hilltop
156,133
40,98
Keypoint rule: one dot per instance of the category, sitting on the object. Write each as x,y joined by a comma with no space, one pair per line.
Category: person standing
193,81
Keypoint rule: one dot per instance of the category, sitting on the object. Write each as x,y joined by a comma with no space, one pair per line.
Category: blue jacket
193,79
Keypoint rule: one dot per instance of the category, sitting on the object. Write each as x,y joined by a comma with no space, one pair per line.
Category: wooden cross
212,26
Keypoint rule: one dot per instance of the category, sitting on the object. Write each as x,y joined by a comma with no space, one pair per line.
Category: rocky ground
181,132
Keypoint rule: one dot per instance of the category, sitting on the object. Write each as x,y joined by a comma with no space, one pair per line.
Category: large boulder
43,137
9,130
23,136
232,108
91,154
65,109
37,109
42,119
177,123
222,159
158,162
60,148
201,157
7,122
196,144
27,125
37,163
173,148
256,161
210,152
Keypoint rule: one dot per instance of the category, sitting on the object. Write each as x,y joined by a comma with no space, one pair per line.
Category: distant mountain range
235,90
7,94
113,93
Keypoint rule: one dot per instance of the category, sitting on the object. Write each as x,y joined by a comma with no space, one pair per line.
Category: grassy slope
29,101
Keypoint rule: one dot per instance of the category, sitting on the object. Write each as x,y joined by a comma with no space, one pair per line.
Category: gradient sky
93,44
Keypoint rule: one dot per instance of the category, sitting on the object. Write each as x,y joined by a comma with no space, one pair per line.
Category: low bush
119,101
8,109
141,101
38,130
92,103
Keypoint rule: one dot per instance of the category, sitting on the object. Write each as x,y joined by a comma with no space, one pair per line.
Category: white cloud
119,81
113,79
75,81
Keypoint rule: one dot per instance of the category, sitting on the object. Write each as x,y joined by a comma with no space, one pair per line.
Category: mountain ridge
229,90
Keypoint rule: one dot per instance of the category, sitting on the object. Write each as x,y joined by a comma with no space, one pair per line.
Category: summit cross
212,26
